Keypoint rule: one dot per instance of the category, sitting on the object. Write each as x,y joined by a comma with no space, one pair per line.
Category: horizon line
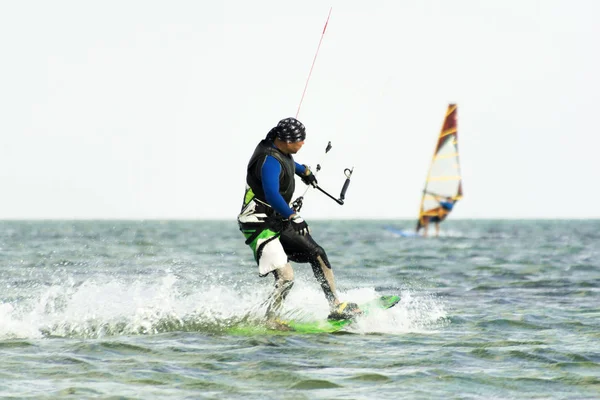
233,219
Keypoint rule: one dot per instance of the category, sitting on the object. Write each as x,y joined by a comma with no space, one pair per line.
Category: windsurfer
275,232
438,214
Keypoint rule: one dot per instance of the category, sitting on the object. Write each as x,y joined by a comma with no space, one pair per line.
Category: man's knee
284,276
319,253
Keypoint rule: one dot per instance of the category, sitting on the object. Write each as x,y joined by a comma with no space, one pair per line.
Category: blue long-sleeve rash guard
270,183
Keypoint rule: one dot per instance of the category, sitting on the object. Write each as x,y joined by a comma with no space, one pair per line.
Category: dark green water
141,310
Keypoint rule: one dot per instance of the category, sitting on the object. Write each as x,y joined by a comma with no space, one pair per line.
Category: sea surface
145,310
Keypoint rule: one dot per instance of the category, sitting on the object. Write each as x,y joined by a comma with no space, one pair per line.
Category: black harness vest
286,177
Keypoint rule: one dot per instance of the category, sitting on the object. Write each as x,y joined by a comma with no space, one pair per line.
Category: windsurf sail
444,180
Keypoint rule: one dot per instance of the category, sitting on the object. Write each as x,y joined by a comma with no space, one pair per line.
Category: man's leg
303,248
324,274
271,258
284,280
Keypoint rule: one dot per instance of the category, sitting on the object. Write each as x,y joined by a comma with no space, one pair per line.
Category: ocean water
144,310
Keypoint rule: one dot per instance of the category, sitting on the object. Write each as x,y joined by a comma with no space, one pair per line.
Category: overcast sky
148,109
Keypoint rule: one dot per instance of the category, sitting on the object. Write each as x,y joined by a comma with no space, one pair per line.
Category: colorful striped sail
443,179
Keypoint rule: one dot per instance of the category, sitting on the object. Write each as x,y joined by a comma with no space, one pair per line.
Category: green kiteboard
326,326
